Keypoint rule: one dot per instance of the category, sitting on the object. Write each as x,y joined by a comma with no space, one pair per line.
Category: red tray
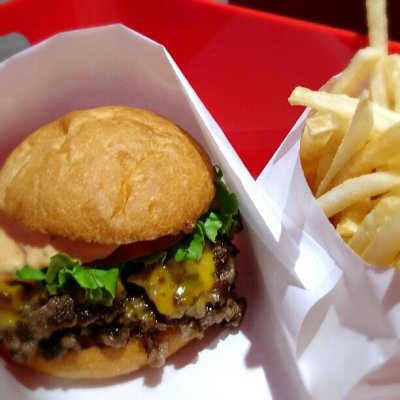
242,63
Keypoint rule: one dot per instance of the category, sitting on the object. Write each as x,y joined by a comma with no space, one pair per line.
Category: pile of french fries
350,147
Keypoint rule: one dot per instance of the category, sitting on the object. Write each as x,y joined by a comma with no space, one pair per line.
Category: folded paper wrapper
115,65
342,316
319,323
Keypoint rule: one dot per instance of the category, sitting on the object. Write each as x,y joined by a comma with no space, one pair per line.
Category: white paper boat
115,65
345,322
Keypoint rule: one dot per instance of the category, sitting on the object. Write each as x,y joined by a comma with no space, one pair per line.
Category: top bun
110,175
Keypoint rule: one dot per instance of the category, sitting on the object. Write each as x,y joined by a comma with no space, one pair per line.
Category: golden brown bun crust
100,363
109,175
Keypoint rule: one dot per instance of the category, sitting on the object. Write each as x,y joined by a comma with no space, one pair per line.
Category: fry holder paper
115,65
346,334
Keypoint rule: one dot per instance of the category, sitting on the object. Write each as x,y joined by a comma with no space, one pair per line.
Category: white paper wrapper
345,333
114,65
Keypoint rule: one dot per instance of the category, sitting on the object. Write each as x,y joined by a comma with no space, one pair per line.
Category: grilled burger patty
53,325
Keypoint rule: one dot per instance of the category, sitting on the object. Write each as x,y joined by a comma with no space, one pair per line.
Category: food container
343,317
115,65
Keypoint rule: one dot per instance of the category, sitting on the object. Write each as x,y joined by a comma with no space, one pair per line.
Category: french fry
378,85
316,135
341,105
385,246
393,80
355,190
317,132
393,164
396,262
352,217
360,66
377,24
354,139
373,155
326,157
372,222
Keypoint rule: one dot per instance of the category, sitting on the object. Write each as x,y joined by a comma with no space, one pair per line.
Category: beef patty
54,325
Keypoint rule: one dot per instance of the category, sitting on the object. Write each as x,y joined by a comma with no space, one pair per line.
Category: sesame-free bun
105,362
108,175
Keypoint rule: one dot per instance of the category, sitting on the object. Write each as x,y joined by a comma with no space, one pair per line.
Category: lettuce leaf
228,206
64,275
221,221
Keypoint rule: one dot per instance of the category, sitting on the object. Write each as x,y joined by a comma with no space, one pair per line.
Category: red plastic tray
242,63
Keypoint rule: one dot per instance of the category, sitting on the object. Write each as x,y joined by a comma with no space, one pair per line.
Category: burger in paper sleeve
116,244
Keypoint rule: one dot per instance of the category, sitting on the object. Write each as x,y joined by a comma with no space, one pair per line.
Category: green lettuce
220,221
64,275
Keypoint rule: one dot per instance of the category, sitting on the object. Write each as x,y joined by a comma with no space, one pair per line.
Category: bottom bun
105,362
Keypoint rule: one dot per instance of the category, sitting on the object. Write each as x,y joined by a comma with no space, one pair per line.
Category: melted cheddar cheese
179,288
12,296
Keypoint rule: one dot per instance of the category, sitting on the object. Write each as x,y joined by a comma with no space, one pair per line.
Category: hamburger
116,235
